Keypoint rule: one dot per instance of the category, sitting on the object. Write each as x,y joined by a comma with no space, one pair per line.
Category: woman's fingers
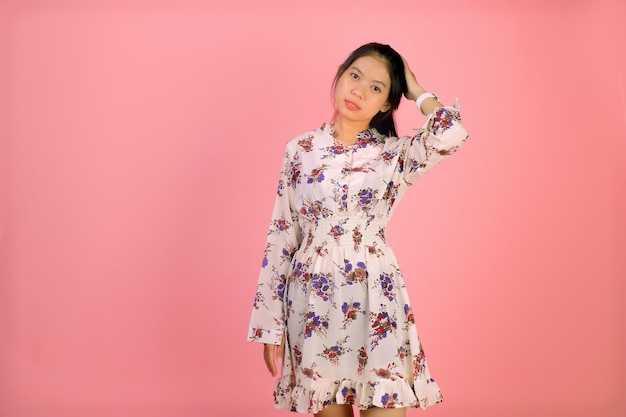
413,87
280,352
268,354
274,355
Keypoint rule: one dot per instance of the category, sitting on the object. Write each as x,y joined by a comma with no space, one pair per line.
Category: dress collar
364,138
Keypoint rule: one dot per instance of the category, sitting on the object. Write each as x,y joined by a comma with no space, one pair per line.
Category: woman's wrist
415,92
426,101
424,96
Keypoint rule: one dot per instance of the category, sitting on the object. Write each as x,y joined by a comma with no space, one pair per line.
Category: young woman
331,306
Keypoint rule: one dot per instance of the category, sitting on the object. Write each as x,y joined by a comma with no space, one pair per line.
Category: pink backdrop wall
140,144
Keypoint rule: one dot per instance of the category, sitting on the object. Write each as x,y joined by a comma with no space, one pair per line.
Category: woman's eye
353,75
376,89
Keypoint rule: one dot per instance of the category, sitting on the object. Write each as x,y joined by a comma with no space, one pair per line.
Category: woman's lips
351,105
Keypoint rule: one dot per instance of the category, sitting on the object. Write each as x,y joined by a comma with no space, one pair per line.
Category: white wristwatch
422,97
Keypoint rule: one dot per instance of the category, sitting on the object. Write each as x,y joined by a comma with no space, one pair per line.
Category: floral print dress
330,283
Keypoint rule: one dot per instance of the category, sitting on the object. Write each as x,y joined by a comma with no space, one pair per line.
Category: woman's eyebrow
376,81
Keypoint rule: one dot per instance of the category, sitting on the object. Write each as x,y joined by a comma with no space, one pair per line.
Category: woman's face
363,89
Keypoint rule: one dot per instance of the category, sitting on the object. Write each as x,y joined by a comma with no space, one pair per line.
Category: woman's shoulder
305,141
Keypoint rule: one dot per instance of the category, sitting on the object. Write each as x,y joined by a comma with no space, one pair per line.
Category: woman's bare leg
383,412
336,410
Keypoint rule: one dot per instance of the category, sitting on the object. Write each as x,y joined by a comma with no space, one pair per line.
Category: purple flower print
317,175
391,193
414,165
333,353
387,286
293,173
365,196
321,285
315,209
257,332
349,395
336,232
364,138
268,248
409,314
381,234
340,195
258,299
281,187
350,312
344,197
403,352
381,326
287,253
279,287
300,273
356,275
442,121
315,323
348,307
334,150
389,401
279,225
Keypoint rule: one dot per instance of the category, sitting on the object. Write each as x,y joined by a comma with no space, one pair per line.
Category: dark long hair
383,122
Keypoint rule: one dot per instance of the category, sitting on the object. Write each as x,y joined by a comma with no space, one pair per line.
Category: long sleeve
283,239
441,135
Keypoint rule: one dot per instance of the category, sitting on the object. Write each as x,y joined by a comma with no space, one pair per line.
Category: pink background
140,144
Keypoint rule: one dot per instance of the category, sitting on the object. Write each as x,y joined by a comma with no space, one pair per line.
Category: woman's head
383,120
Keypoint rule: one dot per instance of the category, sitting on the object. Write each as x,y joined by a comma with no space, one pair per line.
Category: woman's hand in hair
414,89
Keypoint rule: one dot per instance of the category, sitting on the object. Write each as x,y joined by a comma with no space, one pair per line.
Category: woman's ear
385,107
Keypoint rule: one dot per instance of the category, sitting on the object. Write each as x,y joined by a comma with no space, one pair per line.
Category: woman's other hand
274,356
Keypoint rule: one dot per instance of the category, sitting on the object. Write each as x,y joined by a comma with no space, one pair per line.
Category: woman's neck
346,131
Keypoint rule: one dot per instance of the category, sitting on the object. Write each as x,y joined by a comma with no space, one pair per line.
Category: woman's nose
357,91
